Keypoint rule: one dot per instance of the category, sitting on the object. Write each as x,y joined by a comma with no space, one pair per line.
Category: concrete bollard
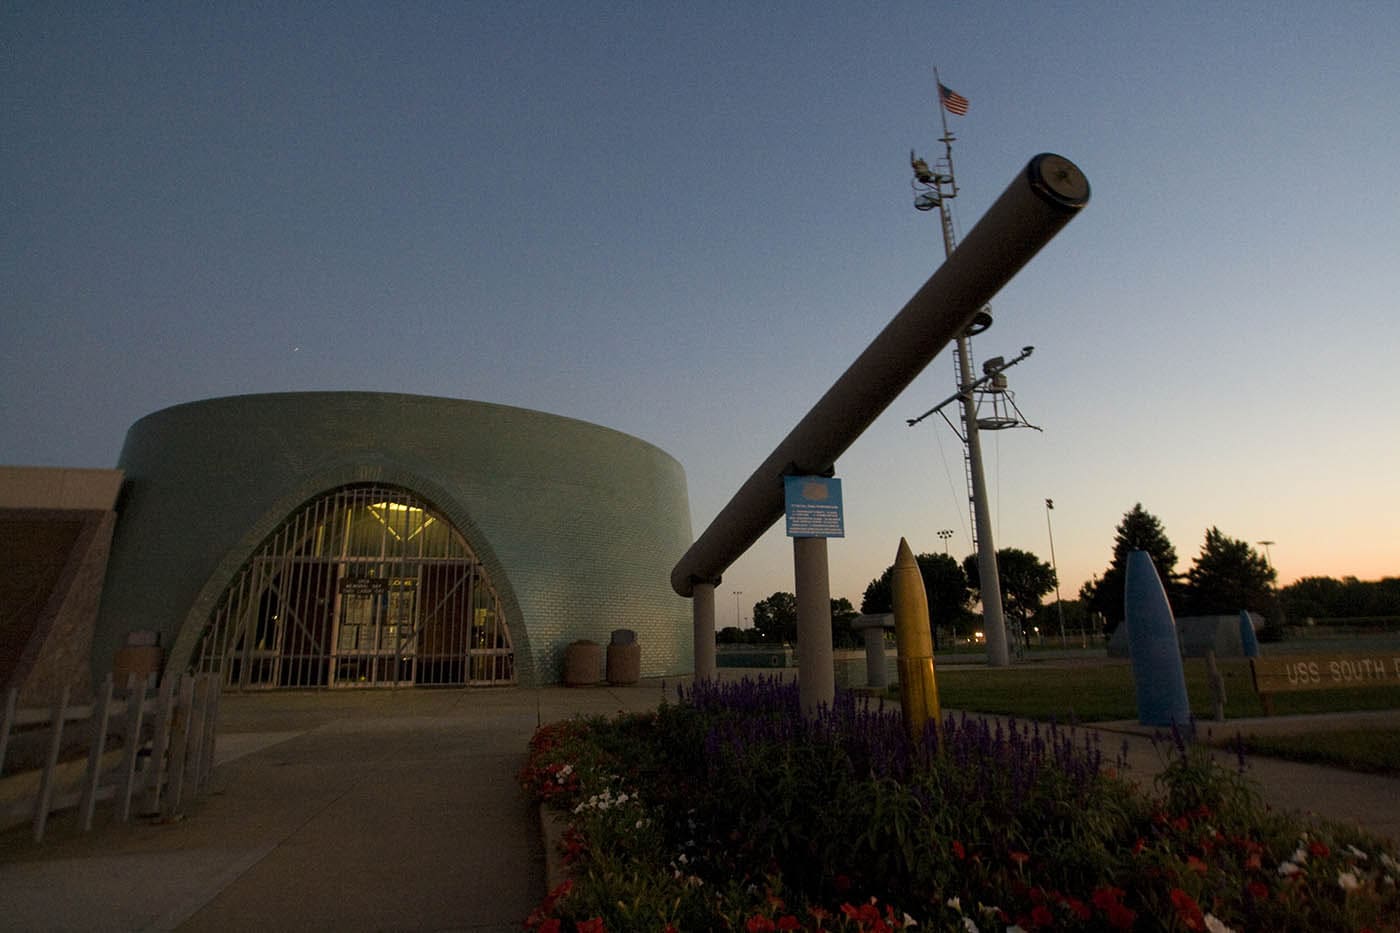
872,628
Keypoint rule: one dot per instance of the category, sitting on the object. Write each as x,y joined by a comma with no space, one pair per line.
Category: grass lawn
1103,691
1099,692
1372,750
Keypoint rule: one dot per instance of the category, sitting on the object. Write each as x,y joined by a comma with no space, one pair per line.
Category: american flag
952,101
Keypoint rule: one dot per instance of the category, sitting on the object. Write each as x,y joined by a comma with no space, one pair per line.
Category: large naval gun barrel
1040,200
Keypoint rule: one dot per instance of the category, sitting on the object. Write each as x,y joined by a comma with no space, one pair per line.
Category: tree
1138,531
1227,576
1024,577
1312,598
945,585
842,615
1075,617
1327,598
776,617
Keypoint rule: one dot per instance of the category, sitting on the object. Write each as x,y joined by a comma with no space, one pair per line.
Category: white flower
955,903
969,926
1215,925
1301,856
1360,856
1348,880
1389,862
1288,868
1014,928
910,922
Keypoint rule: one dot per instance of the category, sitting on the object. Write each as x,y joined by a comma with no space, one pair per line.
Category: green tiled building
335,539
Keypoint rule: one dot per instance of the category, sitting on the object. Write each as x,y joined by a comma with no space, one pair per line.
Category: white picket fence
164,758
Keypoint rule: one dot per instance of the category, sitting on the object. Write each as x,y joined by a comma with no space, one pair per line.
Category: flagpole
947,138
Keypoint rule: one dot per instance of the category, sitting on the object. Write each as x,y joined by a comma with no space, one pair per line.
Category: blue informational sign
813,505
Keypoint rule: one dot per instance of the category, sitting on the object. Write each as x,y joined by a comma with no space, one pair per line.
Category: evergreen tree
1227,576
1138,531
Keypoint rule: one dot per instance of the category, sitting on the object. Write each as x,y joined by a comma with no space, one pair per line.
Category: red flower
1318,849
958,851
1120,917
1258,890
1109,900
867,917
759,924
1042,917
789,922
551,926
1196,865
1139,845
593,925
1079,908
1020,858
1188,910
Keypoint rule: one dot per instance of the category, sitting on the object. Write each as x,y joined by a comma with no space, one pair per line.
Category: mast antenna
934,186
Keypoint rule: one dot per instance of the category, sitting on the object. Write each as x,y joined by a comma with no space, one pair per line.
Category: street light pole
945,534
1059,604
1268,559
738,619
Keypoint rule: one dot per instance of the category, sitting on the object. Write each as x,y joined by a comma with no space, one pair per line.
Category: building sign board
364,586
1284,673
813,507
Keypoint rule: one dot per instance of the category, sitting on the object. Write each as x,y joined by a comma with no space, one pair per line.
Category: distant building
350,539
55,535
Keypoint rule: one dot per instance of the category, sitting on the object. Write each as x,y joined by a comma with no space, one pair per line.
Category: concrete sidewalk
394,810
357,810
1370,801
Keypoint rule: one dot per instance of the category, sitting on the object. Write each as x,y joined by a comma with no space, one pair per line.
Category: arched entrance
366,586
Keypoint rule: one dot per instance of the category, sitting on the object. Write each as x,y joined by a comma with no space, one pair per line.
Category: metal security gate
367,586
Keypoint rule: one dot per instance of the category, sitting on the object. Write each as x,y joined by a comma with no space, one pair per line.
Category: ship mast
934,189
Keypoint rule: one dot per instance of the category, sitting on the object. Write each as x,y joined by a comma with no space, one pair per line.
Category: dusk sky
684,221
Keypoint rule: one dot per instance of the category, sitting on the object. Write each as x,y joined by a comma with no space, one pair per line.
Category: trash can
624,658
141,656
583,663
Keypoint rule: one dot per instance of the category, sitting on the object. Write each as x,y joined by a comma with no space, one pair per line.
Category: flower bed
731,810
